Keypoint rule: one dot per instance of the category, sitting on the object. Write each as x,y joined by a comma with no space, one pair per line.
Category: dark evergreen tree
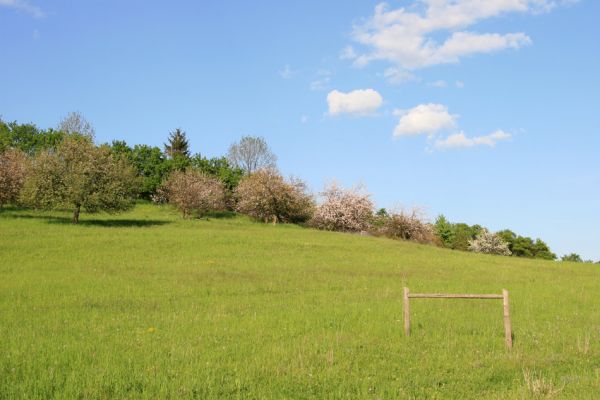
444,230
177,146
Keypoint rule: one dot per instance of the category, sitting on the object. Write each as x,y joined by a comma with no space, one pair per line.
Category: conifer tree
177,145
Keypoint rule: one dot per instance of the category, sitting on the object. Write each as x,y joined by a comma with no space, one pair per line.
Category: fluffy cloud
23,5
410,37
432,119
356,102
424,119
460,140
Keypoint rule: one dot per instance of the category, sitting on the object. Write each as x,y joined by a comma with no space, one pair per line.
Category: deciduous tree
266,196
489,243
193,192
27,137
75,123
13,166
346,210
408,225
78,175
573,257
251,154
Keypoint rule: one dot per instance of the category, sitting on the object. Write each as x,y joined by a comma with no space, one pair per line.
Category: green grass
146,305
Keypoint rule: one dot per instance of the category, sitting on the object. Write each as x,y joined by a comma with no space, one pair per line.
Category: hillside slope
146,305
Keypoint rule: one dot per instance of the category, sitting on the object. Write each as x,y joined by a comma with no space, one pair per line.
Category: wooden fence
503,296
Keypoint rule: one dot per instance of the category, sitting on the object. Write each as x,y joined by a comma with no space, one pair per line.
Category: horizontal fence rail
454,296
505,305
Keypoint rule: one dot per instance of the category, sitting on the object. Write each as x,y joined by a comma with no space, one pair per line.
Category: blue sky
485,111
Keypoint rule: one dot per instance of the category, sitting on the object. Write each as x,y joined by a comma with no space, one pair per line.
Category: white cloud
465,43
461,141
432,119
424,119
438,84
356,102
23,5
396,76
286,72
435,31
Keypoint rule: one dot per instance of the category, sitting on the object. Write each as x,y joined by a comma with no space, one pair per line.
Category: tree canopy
251,154
79,175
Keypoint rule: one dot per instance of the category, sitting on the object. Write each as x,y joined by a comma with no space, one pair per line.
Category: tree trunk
75,219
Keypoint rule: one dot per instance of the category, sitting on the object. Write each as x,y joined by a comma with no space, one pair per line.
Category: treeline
457,236
62,168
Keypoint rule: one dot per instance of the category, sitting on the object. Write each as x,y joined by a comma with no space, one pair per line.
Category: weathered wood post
507,327
406,312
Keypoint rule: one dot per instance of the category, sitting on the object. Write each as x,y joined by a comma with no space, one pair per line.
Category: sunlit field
147,305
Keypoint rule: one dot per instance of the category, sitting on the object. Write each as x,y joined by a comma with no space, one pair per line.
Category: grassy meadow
145,305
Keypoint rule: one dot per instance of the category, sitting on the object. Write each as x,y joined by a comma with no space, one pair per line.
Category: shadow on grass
220,215
109,223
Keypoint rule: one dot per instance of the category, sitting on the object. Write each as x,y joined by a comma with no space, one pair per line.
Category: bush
192,192
13,167
266,196
408,226
573,257
345,210
489,243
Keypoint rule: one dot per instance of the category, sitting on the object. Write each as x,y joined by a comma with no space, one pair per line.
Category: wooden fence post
507,327
406,312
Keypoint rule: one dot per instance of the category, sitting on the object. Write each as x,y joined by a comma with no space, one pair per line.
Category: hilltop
146,304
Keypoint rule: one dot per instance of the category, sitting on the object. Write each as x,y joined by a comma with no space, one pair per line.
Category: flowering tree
13,165
408,226
489,243
266,196
346,210
193,192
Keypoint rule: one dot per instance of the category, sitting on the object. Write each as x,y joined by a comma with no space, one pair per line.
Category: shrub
13,166
573,257
220,167
408,226
489,243
193,192
346,210
266,196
